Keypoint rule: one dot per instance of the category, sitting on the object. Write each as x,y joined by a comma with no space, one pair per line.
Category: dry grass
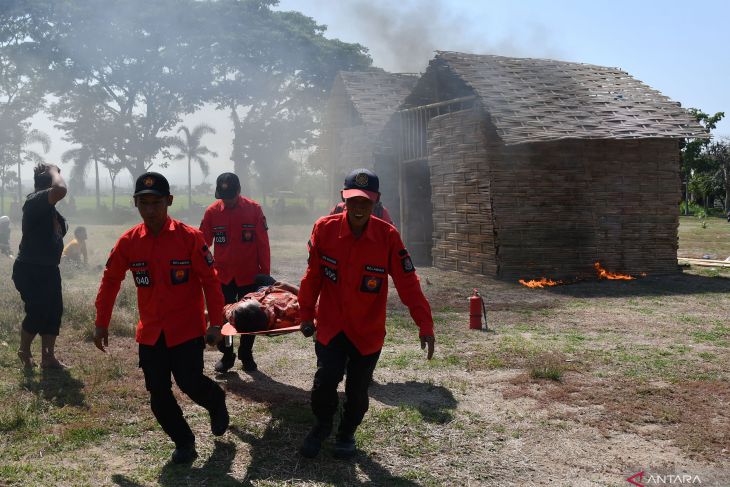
580,385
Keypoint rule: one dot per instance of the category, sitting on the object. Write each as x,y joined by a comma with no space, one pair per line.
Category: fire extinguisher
476,306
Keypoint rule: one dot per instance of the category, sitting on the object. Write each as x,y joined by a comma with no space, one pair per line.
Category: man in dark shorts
35,272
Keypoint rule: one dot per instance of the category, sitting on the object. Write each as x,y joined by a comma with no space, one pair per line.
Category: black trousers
185,363
332,361
40,289
232,294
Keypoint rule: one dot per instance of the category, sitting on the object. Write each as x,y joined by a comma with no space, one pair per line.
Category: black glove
308,330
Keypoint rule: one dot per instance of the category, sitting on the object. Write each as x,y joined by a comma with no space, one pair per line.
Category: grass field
580,385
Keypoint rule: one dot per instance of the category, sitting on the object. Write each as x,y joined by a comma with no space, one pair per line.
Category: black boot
219,419
184,454
344,446
247,362
345,441
313,441
226,362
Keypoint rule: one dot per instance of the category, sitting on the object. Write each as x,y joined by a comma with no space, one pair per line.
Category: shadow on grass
666,285
435,403
56,386
215,471
274,453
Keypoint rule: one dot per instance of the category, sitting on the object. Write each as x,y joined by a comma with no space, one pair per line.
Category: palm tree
191,150
27,155
82,156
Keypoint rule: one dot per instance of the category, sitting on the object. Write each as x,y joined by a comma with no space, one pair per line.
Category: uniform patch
372,268
219,238
248,225
329,273
137,264
142,279
179,276
371,284
207,255
219,227
180,262
402,252
266,225
248,235
407,264
328,259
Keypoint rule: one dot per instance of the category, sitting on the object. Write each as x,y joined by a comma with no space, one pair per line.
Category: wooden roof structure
538,100
376,94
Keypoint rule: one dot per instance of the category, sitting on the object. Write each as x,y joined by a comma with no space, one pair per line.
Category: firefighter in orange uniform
172,268
351,256
236,227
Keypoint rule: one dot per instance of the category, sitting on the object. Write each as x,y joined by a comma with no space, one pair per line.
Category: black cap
152,183
361,182
227,186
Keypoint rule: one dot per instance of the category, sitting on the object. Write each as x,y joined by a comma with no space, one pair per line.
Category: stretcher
230,330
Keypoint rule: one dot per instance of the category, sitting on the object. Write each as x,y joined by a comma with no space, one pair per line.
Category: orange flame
604,274
544,282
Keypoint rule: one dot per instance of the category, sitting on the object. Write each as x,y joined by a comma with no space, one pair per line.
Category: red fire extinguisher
476,306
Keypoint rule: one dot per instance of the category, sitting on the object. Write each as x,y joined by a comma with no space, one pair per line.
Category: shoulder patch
407,264
402,252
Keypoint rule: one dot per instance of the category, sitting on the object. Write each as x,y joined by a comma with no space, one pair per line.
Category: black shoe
249,365
313,441
225,363
184,454
344,446
219,420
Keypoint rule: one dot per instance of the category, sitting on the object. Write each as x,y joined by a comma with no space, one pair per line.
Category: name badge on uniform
371,284
329,273
179,276
142,278
219,238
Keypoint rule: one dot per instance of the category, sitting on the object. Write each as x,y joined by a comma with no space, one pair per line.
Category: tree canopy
121,74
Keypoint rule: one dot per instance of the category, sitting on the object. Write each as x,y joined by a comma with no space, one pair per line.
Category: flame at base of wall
600,272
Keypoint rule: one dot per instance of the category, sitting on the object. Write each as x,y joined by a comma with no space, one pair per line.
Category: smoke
403,36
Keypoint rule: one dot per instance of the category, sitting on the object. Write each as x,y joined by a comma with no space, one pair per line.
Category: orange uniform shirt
171,272
350,278
281,307
240,239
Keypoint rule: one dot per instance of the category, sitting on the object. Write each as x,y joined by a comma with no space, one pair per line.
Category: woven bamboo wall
462,213
561,206
550,209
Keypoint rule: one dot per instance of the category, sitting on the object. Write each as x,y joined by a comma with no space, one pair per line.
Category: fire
544,282
604,274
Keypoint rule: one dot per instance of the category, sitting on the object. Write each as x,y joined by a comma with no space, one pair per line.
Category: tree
21,91
275,90
719,153
25,154
189,148
139,66
694,154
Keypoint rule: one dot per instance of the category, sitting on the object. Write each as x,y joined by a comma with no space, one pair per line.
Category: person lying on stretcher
273,307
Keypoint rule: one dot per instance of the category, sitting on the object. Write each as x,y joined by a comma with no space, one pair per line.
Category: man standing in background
35,272
236,227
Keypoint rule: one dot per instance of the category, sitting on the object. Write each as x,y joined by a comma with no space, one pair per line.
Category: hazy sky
677,47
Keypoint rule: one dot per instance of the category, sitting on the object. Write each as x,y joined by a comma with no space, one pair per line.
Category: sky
676,47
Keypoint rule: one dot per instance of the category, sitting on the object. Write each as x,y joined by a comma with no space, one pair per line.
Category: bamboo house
522,168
